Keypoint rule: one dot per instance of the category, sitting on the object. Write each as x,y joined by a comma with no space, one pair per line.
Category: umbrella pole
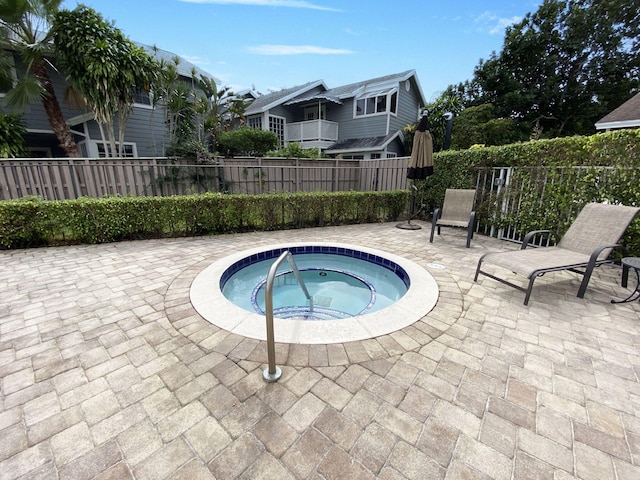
412,204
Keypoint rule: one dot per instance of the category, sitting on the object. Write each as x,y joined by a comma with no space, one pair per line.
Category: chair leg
587,274
527,294
472,222
475,278
434,220
585,281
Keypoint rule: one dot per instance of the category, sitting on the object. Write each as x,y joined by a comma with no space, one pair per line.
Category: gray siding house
362,120
145,134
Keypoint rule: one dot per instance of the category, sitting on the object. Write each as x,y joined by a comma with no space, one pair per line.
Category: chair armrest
593,261
436,215
596,253
530,235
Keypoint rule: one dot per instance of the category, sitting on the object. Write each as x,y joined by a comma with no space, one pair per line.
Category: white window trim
94,152
281,138
378,93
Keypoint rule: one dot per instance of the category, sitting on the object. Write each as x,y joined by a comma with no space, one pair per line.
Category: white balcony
312,133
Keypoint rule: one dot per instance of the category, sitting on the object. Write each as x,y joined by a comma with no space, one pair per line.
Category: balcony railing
313,133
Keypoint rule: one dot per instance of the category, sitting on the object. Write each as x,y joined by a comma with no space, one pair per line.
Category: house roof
316,97
374,84
270,100
625,116
290,96
363,144
185,67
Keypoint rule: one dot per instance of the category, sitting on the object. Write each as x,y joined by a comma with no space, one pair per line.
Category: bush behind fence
33,222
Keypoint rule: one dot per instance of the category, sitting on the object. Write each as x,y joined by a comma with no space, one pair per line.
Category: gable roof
290,96
374,84
625,116
367,144
184,67
270,100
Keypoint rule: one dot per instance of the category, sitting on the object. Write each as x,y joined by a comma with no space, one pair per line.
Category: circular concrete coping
208,300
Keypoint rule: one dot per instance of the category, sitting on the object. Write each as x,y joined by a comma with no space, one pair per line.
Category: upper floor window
376,103
311,113
141,96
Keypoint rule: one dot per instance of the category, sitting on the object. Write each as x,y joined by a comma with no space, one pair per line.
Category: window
377,103
141,96
276,125
128,150
311,113
255,122
96,149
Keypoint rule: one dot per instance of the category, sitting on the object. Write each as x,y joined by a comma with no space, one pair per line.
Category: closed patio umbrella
420,165
421,162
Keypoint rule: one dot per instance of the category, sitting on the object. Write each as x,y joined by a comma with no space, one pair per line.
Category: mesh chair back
597,224
458,205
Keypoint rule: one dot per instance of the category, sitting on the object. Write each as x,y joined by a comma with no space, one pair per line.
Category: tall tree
104,66
562,67
27,32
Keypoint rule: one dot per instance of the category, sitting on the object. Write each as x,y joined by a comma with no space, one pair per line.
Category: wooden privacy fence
70,178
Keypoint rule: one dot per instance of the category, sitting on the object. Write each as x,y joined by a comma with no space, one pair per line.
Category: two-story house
145,134
362,120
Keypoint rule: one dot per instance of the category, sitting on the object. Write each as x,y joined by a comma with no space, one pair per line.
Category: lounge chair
457,211
587,244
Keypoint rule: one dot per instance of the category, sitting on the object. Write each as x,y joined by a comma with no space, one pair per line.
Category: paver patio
107,372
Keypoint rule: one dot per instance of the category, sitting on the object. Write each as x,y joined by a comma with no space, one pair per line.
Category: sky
267,45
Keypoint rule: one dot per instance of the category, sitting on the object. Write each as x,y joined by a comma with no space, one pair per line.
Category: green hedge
31,222
549,192
618,148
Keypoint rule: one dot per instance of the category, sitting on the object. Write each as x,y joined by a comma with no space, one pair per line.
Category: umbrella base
408,226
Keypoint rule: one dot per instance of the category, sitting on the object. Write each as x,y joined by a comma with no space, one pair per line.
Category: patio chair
457,211
587,244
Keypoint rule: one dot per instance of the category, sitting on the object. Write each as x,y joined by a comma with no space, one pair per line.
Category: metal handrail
273,372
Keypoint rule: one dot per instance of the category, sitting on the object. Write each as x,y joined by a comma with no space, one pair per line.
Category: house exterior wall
408,105
357,127
145,126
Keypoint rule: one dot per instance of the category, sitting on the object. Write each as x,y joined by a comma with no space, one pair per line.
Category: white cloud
267,3
494,25
296,50
503,23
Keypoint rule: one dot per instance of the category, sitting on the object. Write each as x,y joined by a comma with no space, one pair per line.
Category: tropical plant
437,113
104,66
26,31
213,105
12,133
294,150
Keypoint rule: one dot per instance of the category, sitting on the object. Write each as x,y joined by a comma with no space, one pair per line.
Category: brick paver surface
107,372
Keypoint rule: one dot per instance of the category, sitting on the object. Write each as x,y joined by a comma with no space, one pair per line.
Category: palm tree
27,31
213,106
